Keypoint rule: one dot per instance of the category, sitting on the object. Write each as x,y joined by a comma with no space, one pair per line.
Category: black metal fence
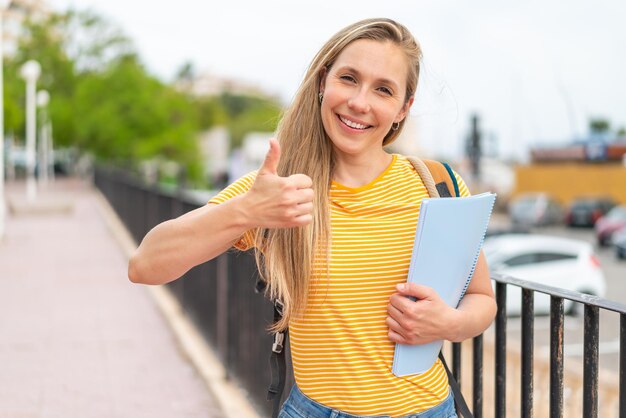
219,298
591,343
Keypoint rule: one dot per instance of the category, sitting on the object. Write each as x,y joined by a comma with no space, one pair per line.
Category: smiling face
364,94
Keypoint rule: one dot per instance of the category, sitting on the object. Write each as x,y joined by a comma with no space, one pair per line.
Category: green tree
210,112
599,126
131,116
249,114
14,99
67,46
187,71
104,101
102,98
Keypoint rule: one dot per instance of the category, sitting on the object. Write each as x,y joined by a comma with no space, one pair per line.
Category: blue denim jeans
298,405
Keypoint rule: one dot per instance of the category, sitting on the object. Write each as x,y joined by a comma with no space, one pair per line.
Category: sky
534,71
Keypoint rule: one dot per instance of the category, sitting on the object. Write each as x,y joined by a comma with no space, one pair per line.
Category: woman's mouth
352,124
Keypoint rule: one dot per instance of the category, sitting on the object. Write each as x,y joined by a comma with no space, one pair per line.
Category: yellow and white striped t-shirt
340,351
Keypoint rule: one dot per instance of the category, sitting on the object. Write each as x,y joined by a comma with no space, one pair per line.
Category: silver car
535,209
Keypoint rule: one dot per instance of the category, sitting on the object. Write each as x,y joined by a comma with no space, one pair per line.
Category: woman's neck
358,171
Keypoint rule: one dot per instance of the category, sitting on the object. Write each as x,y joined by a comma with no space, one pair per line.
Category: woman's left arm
429,318
478,305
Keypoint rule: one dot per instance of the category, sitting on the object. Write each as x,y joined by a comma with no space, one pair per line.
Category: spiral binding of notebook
480,246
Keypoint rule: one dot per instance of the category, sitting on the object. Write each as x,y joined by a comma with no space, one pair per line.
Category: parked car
559,262
619,241
585,211
506,230
613,221
535,209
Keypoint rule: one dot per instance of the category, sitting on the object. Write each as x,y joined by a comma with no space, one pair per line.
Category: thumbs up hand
279,202
272,158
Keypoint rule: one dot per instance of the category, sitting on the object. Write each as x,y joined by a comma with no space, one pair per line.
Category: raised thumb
270,165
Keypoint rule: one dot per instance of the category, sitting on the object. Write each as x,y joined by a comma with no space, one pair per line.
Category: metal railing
219,298
591,327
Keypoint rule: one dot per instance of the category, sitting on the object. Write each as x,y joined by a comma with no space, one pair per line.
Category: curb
231,398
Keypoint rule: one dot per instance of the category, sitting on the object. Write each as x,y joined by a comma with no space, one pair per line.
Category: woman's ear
405,110
323,73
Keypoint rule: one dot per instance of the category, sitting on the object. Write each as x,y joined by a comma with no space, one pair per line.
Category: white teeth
352,124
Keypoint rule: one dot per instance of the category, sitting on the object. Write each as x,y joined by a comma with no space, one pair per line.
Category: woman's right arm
173,247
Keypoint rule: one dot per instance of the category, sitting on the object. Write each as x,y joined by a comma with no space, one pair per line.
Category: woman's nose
358,102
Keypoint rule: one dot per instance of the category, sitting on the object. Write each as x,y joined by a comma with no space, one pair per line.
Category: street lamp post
43,98
30,72
3,6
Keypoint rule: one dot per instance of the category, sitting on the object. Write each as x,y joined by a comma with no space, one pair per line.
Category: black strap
259,287
459,400
442,188
457,193
278,364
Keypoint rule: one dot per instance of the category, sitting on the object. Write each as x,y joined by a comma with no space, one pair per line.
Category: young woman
332,217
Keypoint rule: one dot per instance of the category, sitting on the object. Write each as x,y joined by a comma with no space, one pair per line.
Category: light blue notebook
450,232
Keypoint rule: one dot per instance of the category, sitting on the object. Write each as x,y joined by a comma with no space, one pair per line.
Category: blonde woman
332,216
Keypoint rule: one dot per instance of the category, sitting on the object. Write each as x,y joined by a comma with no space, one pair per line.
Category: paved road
76,338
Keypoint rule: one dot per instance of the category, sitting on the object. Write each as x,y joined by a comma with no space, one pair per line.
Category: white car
558,262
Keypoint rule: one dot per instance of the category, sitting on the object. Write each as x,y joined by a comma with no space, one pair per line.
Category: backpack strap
426,175
444,178
278,363
459,400
438,177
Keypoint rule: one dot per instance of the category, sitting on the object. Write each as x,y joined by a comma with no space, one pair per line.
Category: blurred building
214,146
207,85
223,165
590,150
14,17
590,167
251,154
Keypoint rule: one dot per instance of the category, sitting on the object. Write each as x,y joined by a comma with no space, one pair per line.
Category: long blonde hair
285,256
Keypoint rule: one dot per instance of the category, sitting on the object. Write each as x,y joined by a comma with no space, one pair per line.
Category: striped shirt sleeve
238,188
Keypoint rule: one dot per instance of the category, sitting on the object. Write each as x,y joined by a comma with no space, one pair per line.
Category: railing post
222,307
528,317
556,357
622,366
590,373
500,349
477,376
456,362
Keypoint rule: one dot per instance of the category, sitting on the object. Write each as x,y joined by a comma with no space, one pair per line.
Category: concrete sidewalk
77,339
